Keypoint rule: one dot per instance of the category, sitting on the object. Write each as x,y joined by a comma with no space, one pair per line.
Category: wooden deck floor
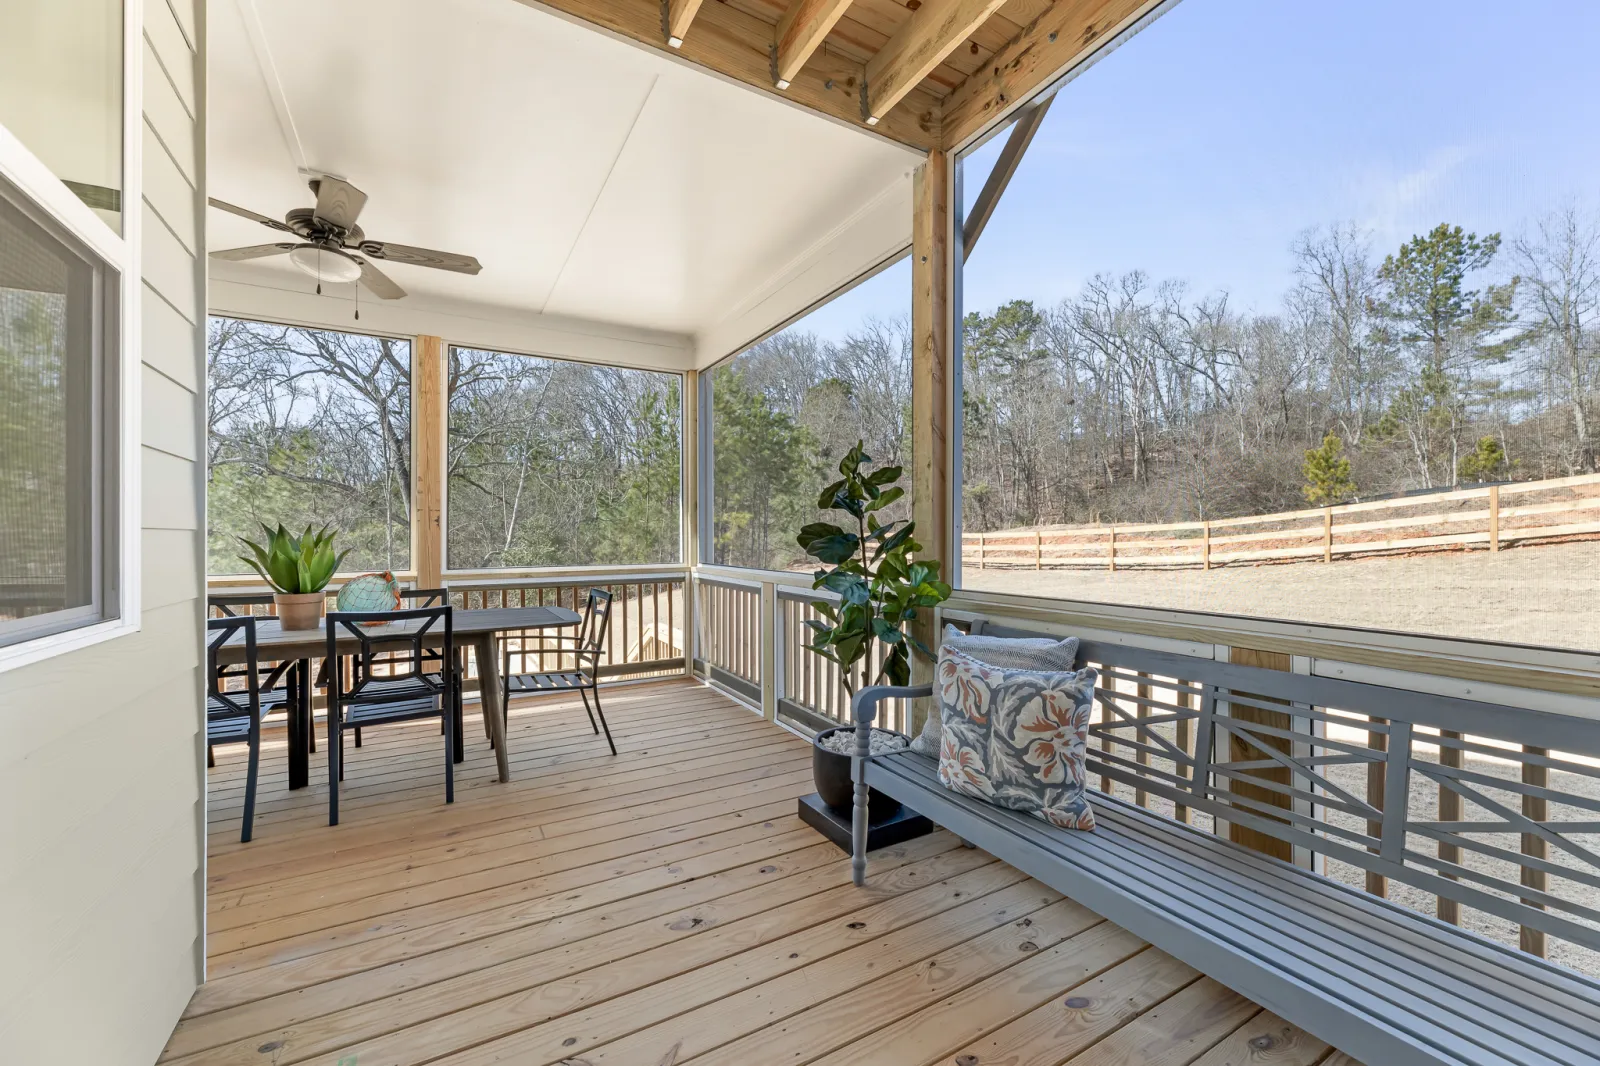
665,906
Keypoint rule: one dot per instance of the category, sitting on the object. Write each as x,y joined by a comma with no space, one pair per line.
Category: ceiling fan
330,241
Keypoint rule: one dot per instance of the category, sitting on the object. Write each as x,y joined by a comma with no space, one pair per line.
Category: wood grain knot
966,1060
1264,1042
1027,946
856,925
1078,1002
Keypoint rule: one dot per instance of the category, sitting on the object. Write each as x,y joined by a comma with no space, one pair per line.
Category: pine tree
1327,473
1486,462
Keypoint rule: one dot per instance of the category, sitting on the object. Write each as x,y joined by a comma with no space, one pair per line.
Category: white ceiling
593,178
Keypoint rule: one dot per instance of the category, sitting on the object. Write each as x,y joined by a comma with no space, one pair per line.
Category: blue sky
1203,146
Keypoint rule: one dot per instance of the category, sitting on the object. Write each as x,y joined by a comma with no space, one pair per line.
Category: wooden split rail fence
1491,517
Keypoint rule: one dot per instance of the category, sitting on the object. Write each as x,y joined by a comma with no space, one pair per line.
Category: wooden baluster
1449,811
1140,798
1107,745
1185,732
1537,809
1377,883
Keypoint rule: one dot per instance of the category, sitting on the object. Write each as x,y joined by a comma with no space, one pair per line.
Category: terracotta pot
301,610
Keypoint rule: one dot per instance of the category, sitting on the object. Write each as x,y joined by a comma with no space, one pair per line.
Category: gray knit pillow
1009,653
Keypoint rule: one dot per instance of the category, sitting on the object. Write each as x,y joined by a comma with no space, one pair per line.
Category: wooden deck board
663,905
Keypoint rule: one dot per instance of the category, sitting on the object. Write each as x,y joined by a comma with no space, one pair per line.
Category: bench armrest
864,706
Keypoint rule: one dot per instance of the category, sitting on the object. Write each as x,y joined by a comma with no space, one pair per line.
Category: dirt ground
1545,595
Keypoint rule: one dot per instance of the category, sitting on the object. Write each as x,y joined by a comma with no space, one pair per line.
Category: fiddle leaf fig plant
295,565
869,563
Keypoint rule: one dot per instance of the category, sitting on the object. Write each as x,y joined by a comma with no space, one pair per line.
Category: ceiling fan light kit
329,235
325,264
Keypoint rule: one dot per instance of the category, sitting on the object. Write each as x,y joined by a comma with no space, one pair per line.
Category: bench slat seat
1383,983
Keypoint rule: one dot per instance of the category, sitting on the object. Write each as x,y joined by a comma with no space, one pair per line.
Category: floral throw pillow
1016,737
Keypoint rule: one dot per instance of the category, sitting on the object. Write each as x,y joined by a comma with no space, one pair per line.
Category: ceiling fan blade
242,212
378,283
254,251
338,202
422,257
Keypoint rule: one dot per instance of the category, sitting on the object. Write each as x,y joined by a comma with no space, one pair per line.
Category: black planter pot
831,772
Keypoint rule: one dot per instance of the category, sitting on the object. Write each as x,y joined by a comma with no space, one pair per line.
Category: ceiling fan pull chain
358,303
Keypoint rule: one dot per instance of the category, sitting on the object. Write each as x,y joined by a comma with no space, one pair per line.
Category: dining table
477,629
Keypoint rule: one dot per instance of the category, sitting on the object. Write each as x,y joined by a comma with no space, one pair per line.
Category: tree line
549,463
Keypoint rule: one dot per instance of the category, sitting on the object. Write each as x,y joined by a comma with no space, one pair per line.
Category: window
61,93
308,427
58,346
554,463
1322,353
784,412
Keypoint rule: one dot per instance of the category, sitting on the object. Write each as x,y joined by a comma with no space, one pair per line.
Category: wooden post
931,333
1240,751
1205,544
983,563
428,429
1494,518
689,519
1038,550
1377,883
1536,809
1449,811
1112,558
1327,534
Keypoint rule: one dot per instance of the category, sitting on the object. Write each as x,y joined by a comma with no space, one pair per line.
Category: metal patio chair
233,715
585,649
417,681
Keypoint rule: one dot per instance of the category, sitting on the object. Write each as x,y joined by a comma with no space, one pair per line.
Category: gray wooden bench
1383,983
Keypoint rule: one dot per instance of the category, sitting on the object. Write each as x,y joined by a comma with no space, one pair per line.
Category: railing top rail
598,577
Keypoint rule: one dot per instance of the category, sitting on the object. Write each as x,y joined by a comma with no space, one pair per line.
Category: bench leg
858,824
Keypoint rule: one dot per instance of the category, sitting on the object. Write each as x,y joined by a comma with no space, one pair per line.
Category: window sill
49,647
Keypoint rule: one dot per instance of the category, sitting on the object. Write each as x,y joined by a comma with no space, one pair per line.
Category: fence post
1205,544
1038,549
1327,534
983,561
1113,556
1494,518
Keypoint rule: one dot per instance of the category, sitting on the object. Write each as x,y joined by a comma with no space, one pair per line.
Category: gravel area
844,743
1546,595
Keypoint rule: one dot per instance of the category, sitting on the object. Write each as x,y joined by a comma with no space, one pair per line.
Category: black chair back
403,647
596,624
425,597
232,604
232,703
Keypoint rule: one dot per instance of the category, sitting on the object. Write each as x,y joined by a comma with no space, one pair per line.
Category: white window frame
120,252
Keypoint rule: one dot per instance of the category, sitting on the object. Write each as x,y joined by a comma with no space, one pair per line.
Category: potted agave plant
869,564
298,569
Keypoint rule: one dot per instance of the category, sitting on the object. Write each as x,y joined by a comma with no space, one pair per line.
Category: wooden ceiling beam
933,31
800,32
739,46
675,18
1063,35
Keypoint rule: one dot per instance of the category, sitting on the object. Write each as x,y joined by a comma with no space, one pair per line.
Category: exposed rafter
933,31
675,18
1064,35
801,32
1004,168
739,46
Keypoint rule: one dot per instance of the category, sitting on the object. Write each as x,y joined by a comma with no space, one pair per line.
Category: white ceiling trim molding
269,77
237,292
599,193
872,234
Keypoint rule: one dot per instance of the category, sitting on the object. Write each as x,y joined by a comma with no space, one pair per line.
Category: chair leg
358,736
585,694
448,712
250,782
211,757
458,728
601,712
